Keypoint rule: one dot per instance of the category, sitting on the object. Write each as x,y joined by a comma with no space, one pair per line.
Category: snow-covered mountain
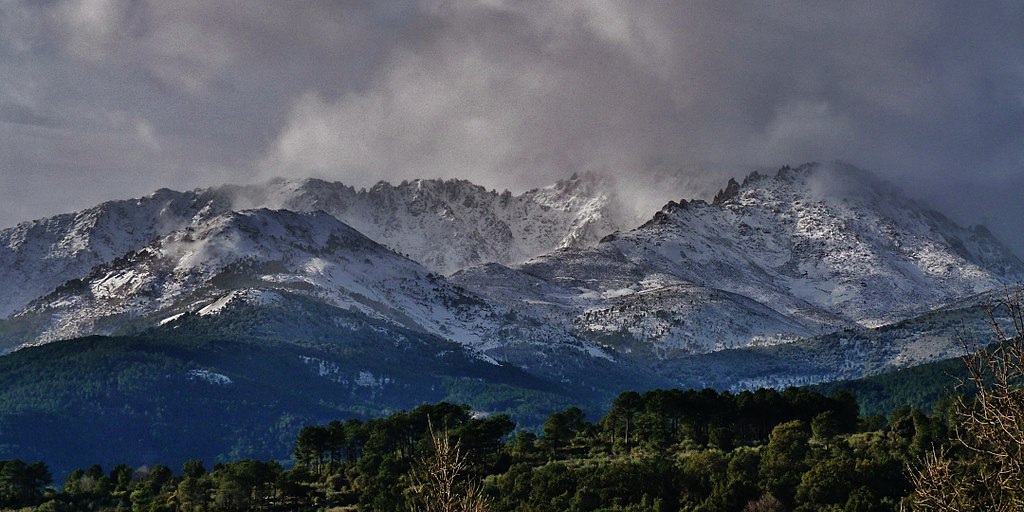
38,256
253,257
808,251
803,253
445,225
245,256
453,224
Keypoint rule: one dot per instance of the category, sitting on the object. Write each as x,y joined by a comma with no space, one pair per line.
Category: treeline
655,451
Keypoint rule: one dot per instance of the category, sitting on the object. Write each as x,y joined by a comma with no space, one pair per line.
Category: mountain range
359,302
772,260
445,225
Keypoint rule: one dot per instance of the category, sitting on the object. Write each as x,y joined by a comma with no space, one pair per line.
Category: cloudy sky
106,99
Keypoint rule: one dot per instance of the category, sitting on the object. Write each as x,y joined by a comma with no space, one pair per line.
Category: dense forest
657,451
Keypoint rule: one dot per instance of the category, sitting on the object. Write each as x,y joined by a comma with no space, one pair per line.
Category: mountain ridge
770,260
38,256
826,247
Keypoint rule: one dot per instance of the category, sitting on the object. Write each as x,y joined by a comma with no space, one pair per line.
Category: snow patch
170,319
209,377
249,296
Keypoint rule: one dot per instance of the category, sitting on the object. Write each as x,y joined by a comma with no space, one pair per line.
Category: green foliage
784,460
920,386
21,484
686,450
561,428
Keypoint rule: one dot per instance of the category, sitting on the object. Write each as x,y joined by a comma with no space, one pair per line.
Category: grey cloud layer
105,98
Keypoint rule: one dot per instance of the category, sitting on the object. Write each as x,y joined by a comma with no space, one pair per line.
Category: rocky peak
731,190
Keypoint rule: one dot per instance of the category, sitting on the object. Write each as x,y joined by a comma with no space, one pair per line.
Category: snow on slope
37,256
213,261
832,236
805,252
603,297
453,224
444,225
248,256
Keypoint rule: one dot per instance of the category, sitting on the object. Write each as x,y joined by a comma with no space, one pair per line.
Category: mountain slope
213,261
38,256
445,225
805,252
213,387
256,257
259,320
453,224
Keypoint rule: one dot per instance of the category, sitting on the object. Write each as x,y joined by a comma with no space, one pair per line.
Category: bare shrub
440,481
984,469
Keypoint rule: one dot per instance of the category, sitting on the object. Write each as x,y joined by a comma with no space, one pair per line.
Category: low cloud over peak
108,98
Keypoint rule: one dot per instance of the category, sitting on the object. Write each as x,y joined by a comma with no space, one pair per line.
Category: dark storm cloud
108,98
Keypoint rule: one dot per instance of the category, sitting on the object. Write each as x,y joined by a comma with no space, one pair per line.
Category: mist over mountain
445,225
110,99
771,259
806,251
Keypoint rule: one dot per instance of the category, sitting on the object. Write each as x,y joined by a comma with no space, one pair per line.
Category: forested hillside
920,387
660,450
159,399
